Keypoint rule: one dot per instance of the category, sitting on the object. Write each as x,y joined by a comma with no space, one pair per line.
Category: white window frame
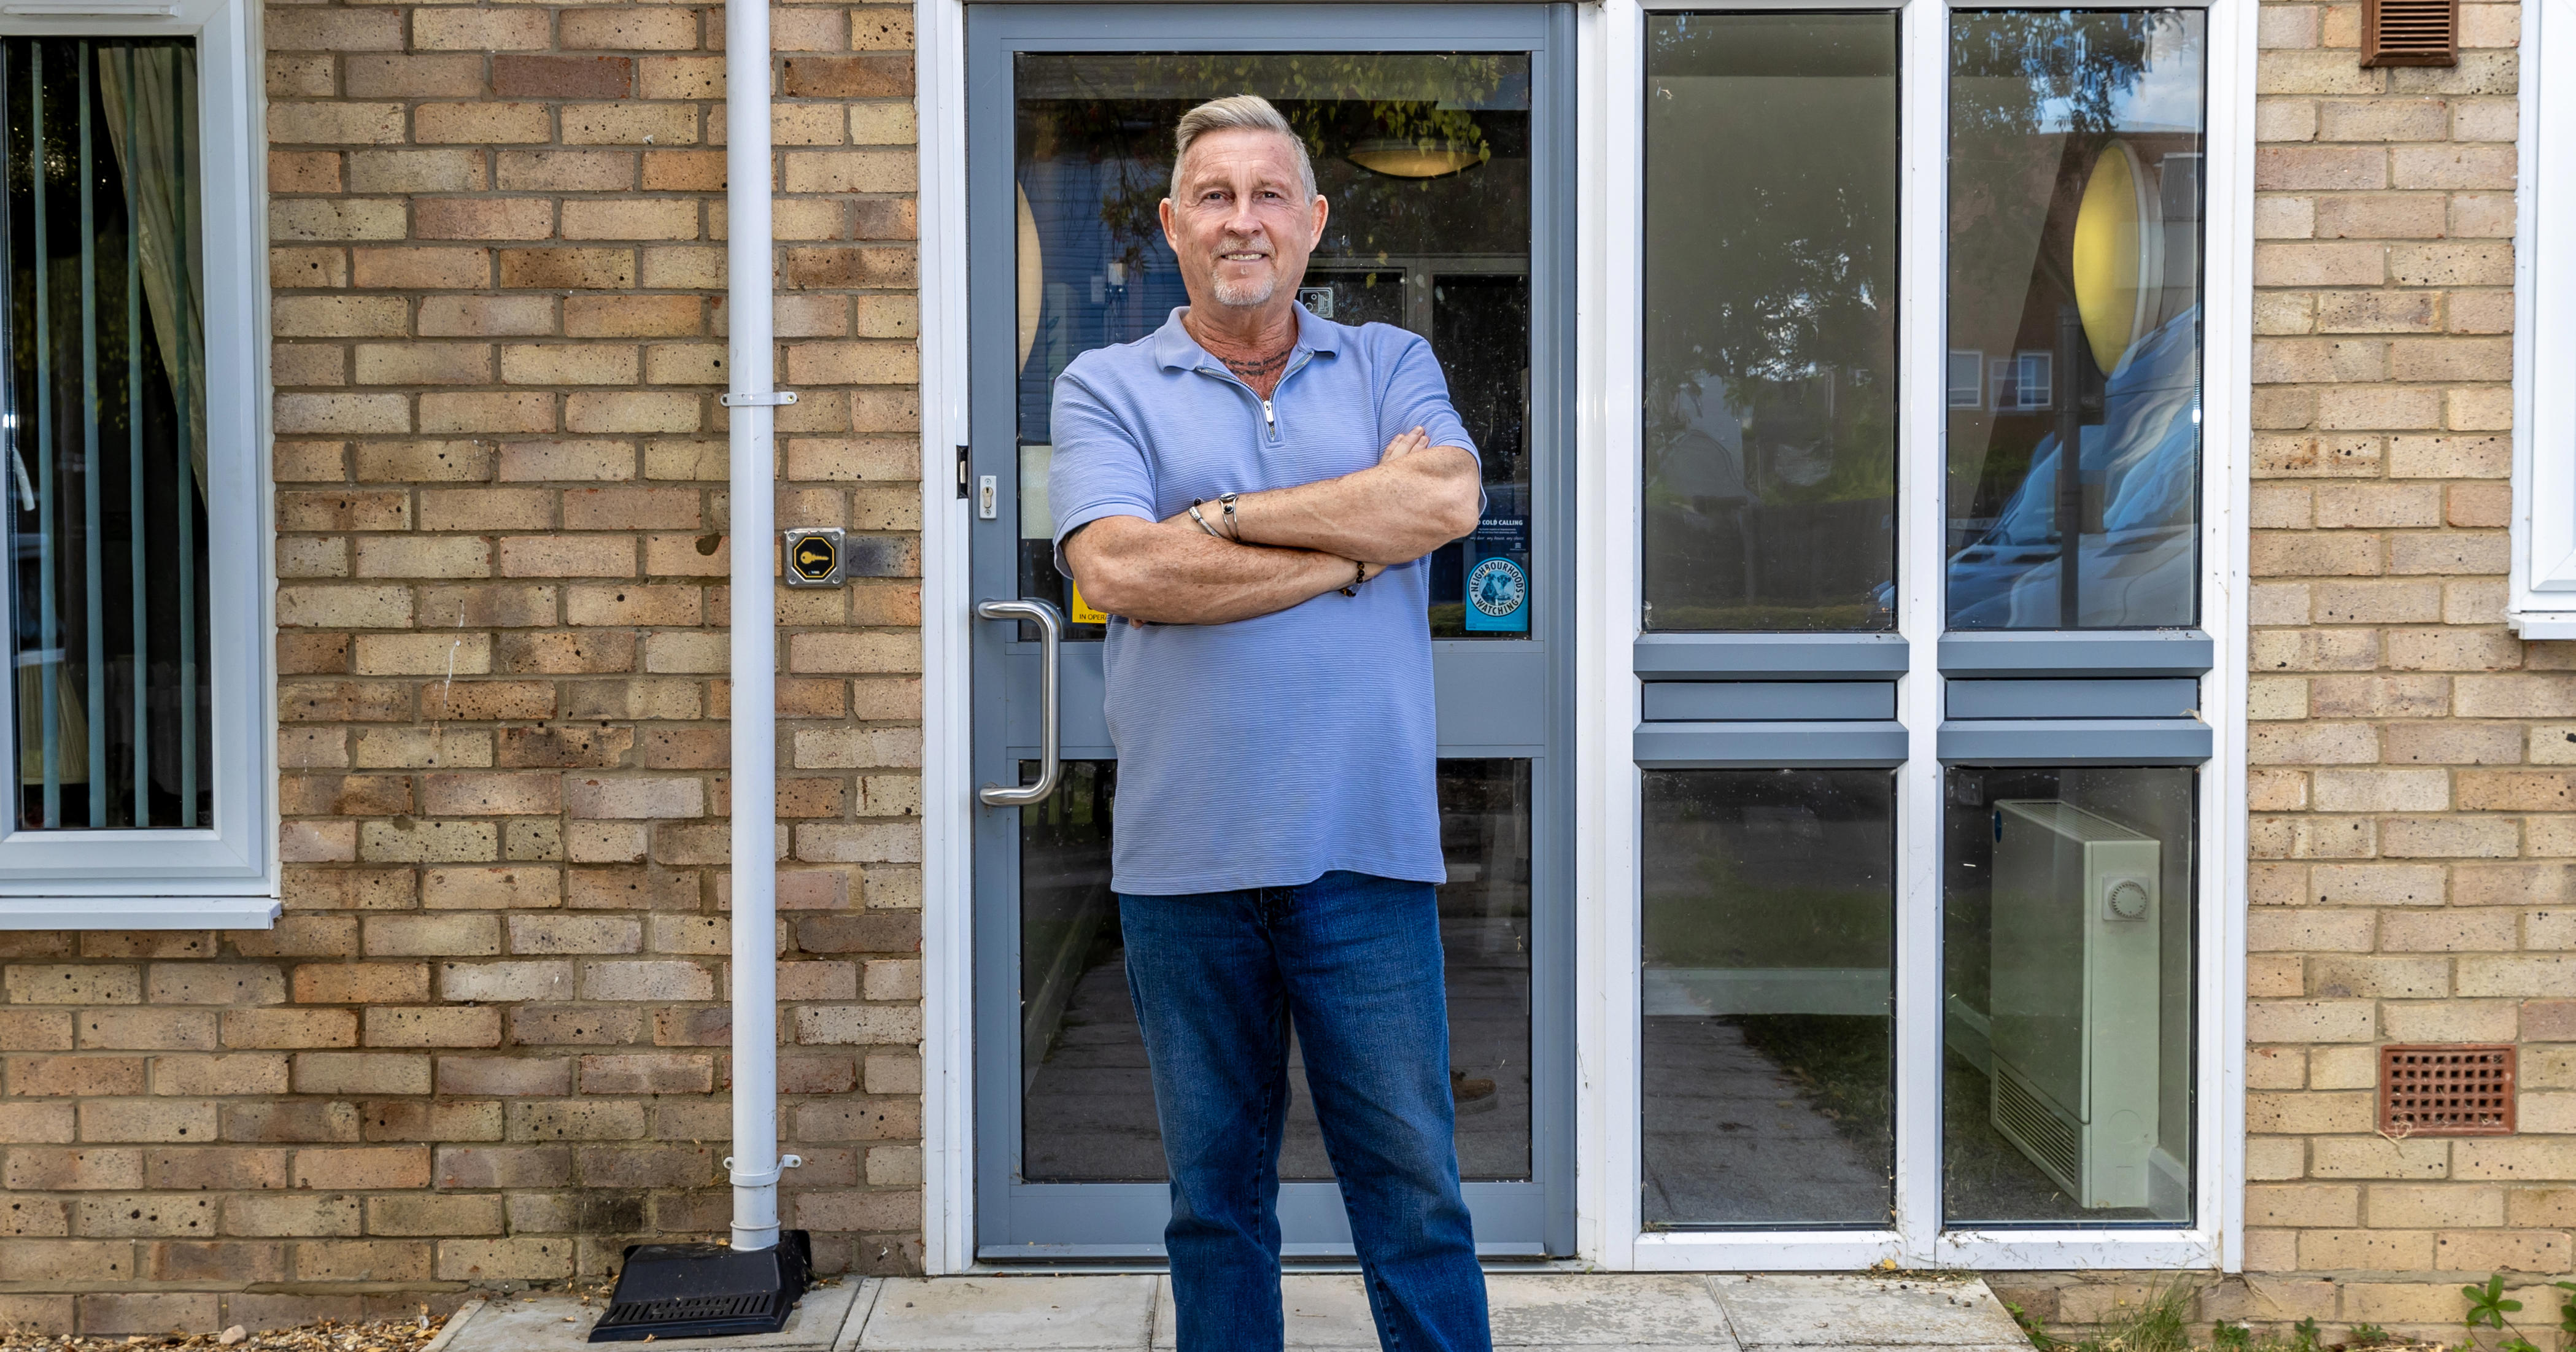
224,875
2544,334
1609,459
1607,831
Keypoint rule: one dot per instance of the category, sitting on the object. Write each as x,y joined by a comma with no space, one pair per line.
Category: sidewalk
1558,1312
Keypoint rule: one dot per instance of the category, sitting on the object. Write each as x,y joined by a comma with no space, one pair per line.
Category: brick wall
486,1045
2413,777
487,1042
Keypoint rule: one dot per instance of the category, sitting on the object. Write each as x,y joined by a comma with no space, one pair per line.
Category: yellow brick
631,218
423,654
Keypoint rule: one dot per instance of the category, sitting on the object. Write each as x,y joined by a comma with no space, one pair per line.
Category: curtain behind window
157,88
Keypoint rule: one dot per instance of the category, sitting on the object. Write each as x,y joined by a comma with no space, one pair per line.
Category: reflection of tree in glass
1803,255
2018,75
1122,110
2038,71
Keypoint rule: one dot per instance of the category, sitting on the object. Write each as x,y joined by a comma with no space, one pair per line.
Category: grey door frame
1496,697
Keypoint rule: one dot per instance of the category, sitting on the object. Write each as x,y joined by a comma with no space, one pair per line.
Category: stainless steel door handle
1050,625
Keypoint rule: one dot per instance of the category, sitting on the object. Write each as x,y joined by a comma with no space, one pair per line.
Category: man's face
1241,223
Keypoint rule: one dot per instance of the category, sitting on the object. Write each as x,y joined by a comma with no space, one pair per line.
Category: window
2544,464
137,620
2075,150
1770,379
1925,803
2020,381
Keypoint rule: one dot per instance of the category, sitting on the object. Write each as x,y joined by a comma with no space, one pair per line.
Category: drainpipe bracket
762,1180
771,400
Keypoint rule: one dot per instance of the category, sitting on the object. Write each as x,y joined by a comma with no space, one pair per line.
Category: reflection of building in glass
2139,471
2075,211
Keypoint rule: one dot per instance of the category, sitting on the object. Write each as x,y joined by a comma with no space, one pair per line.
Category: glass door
1436,146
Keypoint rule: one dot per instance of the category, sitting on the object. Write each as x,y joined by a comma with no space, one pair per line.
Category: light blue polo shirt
1270,751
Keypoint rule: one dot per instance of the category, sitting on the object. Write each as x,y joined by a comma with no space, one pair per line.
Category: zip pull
1270,418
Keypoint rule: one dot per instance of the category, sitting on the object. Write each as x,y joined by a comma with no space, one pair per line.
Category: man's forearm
1392,513
1174,573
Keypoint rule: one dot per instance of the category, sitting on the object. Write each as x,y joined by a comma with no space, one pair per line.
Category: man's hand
1405,443
1417,498
1171,572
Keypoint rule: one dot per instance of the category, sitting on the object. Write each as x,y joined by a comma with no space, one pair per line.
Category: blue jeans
1354,962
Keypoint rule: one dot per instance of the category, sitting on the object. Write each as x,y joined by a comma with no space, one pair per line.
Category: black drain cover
704,1291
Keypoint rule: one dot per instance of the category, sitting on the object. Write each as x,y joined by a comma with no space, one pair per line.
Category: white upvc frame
947,695
1608,361
1608,987
2544,333
226,874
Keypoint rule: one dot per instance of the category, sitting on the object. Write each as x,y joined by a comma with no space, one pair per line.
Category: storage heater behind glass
2075,985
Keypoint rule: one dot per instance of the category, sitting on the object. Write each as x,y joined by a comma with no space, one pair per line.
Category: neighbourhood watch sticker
1497,581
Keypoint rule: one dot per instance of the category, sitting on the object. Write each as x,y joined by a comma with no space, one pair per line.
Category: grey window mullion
134,464
2112,697
1770,657
2076,741
185,427
1767,745
2099,653
93,546
1769,701
48,622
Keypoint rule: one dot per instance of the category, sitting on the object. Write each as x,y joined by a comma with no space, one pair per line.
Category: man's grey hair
1237,112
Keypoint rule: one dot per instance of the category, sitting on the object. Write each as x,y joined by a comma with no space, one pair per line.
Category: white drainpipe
752,404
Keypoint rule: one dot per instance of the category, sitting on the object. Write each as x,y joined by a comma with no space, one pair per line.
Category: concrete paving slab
562,1324
1557,1312
1571,1310
1010,1314
1323,1312
1859,1311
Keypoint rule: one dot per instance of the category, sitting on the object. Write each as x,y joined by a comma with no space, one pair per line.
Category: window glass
1769,984
107,448
1425,158
2067,969
2075,225
1770,321
1088,1114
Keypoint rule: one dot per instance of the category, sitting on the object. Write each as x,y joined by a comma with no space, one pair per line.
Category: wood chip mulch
386,1335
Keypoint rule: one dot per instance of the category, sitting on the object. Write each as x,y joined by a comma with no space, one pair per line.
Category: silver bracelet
1195,504
1233,527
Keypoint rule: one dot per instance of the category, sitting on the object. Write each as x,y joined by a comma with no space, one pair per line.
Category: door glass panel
2075,318
1426,161
1769,987
2067,974
1770,326
1088,1101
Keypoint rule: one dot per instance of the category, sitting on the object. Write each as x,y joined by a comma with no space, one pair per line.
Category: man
1252,490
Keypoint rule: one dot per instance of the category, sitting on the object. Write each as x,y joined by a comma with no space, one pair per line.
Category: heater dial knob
2128,900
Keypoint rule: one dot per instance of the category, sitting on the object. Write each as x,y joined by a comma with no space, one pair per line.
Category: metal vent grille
2457,1090
2022,1115
692,1309
2410,32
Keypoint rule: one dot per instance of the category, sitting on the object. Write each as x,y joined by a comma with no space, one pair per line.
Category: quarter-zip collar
1175,349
